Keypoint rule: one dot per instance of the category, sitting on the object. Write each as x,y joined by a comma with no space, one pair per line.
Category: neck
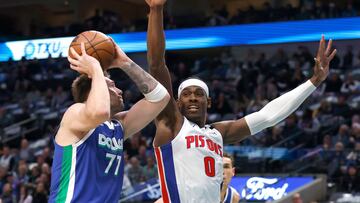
200,123
223,191
112,114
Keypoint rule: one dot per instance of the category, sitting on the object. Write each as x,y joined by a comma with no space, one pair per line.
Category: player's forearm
279,108
156,39
143,80
98,102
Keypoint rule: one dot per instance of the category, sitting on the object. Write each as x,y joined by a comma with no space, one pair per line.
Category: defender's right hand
121,59
83,63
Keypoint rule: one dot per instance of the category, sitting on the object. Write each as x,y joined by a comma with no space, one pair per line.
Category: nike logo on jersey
110,143
111,125
199,141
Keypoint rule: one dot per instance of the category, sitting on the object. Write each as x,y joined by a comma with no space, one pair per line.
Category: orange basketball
97,45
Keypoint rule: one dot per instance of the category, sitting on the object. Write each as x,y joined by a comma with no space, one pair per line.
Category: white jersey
191,166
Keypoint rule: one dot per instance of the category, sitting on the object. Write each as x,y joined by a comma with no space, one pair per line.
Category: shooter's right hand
84,63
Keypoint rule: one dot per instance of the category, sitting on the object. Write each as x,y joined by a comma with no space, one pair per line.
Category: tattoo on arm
143,80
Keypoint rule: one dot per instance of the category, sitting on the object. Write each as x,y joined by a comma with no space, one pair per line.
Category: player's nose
192,97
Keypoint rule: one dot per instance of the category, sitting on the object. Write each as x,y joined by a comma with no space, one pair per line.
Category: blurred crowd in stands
108,21
325,131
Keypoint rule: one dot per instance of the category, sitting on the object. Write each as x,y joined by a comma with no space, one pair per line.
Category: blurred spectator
142,155
7,194
25,152
342,135
297,198
59,98
7,160
354,156
348,58
132,145
21,175
291,128
324,113
219,107
309,124
337,162
25,195
350,183
150,169
355,131
327,143
40,194
333,83
350,86
46,156
135,171
35,173
276,136
341,108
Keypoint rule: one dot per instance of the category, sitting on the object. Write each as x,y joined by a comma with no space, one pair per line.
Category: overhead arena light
195,38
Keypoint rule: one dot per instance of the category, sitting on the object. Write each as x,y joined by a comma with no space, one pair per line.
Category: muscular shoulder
232,131
72,111
66,135
221,126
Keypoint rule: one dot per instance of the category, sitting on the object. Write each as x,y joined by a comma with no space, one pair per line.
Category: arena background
248,52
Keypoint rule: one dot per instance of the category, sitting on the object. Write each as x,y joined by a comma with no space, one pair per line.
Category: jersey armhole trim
216,130
120,123
226,195
84,138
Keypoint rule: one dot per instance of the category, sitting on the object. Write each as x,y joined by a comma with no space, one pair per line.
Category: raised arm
81,117
169,121
281,107
156,44
156,96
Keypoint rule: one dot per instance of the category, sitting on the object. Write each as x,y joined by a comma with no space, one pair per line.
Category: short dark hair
230,157
80,88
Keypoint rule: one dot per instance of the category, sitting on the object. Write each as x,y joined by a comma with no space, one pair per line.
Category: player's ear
208,102
178,102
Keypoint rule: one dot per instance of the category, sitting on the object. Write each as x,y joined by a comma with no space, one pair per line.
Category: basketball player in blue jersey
189,152
228,194
88,161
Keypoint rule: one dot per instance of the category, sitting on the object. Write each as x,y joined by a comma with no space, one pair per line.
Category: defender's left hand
322,61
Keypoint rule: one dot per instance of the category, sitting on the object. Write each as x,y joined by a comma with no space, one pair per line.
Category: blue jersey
91,170
229,194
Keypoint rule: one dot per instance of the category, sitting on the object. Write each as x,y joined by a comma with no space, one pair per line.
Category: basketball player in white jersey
228,194
189,152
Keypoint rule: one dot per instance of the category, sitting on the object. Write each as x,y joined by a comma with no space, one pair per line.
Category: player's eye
199,93
186,93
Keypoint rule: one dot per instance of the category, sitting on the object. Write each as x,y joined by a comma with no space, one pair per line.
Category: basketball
97,45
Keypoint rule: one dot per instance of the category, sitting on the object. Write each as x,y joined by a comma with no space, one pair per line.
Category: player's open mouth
193,107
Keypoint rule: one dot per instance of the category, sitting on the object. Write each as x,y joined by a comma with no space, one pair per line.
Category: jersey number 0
209,163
